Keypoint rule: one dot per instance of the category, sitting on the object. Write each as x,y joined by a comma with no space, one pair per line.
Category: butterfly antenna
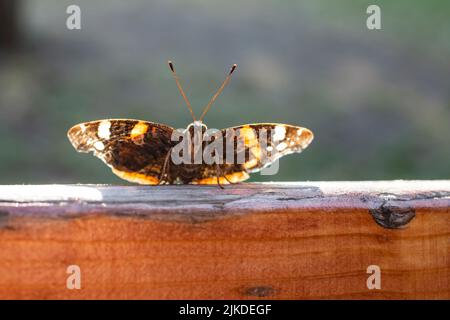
177,80
227,79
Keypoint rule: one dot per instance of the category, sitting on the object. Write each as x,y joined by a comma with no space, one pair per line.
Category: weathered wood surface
278,241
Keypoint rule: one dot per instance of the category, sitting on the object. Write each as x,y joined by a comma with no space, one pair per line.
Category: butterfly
143,152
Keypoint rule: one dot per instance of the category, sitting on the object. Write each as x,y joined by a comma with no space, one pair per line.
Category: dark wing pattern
261,145
135,150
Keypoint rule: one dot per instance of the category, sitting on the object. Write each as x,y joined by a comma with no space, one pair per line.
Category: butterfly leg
218,175
164,168
230,182
223,175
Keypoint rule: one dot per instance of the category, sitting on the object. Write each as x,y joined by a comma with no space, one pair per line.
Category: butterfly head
196,125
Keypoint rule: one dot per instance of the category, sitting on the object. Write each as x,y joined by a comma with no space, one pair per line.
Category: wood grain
249,241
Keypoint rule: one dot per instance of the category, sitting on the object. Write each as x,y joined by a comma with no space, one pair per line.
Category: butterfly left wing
261,144
135,150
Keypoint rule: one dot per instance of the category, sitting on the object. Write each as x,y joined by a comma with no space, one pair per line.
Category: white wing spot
281,146
280,133
99,145
299,132
103,130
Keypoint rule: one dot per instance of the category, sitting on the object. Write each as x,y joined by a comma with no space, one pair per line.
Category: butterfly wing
135,150
262,144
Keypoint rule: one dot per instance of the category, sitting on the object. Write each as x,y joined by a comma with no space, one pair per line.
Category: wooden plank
279,241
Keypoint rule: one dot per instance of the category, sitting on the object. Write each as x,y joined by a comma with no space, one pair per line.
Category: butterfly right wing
256,141
135,150
264,143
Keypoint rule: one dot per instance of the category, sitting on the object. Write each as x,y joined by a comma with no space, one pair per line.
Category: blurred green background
377,101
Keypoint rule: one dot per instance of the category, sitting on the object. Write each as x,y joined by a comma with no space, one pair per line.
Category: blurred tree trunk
9,24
